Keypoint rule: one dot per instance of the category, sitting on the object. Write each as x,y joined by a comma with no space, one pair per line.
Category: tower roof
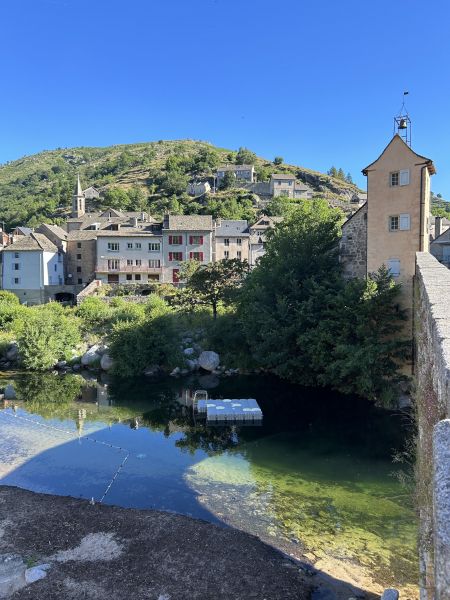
426,161
78,190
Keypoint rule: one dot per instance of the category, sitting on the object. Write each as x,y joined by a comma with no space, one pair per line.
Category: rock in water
209,360
12,574
91,356
106,362
10,392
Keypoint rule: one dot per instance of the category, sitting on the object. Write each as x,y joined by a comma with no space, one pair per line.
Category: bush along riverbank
293,315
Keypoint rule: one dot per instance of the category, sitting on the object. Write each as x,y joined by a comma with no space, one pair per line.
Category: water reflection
315,476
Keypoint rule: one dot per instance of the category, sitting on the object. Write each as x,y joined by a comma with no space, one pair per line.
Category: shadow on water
316,476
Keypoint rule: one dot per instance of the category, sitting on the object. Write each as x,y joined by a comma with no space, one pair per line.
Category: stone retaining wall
432,371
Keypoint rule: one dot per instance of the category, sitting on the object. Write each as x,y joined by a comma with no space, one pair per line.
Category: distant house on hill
198,188
91,193
241,172
285,184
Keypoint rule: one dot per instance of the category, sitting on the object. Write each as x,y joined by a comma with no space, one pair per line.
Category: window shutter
181,256
404,177
191,239
191,254
170,255
201,256
170,239
405,223
201,241
394,266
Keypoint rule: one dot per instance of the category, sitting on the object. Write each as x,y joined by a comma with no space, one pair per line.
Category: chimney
437,227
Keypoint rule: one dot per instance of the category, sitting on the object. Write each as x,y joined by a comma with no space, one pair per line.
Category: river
316,479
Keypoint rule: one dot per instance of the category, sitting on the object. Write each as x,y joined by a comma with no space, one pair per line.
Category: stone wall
353,245
432,372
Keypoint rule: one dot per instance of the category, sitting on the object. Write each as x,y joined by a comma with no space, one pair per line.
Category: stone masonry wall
353,245
432,371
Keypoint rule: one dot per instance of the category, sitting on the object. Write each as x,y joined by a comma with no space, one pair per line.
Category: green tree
228,180
215,282
305,323
279,206
117,198
47,335
278,160
333,172
349,178
245,156
341,174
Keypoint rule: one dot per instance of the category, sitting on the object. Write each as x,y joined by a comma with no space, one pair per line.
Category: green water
316,478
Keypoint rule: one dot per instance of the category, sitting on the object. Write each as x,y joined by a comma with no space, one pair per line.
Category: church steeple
78,200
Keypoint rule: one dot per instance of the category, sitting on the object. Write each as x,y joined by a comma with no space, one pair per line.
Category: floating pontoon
223,411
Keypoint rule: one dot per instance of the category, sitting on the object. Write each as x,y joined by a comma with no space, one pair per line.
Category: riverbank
109,553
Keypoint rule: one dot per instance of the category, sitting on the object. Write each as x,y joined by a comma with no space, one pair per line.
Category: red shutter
170,255
191,239
191,254
201,256
170,241
201,241
181,255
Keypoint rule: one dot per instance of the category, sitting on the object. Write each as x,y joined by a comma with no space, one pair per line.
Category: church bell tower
78,200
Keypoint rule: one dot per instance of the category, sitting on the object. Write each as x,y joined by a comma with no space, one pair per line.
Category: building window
129,276
113,264
226,241
226,254
78,256
16,255
196,240
239,242
175,240
16,280
129,262
289,182
400,223
129,245
394,178
137,277
175,256
404,177
239,254
394,223
78,269
80,280
154,247
16,266
405,222
78,244
393,265
138,245
138,262
154,263
113,246
196,256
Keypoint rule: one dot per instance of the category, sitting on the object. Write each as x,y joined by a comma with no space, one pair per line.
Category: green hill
148,176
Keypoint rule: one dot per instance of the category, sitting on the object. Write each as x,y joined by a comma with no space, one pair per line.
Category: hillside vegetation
148,176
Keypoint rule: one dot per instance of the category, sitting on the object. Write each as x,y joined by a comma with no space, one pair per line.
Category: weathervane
402,123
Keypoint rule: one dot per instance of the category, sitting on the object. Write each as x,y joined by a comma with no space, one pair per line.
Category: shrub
46,336
93,311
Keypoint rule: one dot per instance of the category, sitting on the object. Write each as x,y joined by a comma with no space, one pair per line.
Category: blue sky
316,82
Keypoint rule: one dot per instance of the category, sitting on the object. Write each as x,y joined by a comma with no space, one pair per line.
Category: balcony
122,267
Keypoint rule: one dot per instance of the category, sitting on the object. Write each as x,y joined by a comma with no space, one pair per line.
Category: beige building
285,184
231,240
398,208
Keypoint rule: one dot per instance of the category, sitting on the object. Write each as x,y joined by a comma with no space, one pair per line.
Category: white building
198,188
129,256
33,268
258,237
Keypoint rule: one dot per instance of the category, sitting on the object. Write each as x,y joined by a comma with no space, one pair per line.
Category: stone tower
398,209
78,200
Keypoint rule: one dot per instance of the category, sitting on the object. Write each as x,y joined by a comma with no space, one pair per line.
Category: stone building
353,244
81,257
231,240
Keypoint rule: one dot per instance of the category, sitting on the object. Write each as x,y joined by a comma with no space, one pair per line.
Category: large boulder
106,362
91,357
188,351
10,392
209,360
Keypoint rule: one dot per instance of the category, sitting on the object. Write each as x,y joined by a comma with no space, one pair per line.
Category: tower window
394,178
394,223
393,265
